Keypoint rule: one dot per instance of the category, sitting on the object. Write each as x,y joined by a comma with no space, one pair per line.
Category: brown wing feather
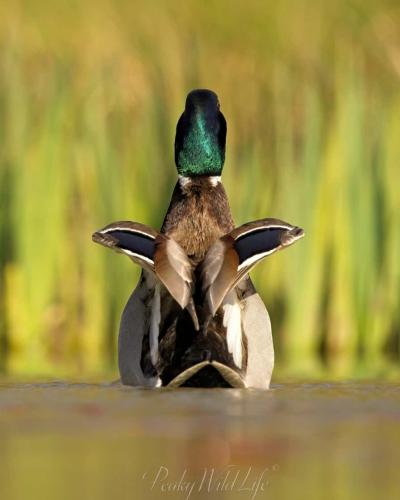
130,226
221,278
212,263
258,224
174,269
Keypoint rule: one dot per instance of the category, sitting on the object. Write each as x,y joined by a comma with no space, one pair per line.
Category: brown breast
198,214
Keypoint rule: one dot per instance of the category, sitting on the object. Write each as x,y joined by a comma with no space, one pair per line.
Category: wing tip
103,239
291,236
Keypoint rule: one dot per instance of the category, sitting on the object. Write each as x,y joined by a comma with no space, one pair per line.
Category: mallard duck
195,318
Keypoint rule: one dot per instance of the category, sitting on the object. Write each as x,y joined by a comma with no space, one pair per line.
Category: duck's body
195,318
199,208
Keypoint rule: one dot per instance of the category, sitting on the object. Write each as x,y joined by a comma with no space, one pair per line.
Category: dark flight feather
131,238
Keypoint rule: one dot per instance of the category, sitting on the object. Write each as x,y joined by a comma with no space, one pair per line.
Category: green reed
89,97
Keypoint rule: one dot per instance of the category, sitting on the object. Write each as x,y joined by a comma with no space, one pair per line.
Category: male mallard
195,318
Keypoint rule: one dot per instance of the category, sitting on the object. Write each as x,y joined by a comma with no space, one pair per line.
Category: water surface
106,441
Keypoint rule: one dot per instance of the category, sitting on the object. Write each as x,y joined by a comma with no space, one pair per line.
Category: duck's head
200,136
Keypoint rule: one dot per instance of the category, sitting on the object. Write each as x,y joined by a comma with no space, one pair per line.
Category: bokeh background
90,93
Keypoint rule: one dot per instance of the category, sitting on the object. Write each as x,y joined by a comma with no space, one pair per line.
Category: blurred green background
90,93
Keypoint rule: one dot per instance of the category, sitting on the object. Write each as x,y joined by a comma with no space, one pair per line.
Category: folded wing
231,257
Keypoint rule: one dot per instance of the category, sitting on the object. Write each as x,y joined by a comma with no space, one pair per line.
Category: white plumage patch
255,258
233,324
214,180
184,181
155,324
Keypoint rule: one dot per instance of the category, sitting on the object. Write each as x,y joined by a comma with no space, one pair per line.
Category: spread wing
130,238
231,257
154,252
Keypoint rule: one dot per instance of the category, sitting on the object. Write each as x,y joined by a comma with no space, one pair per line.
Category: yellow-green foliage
90,92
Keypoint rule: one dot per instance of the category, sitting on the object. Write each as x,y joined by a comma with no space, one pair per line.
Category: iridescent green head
200,136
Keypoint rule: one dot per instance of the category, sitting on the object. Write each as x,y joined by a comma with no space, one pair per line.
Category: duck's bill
208,374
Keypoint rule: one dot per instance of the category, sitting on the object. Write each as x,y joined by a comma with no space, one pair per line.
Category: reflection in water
108,441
